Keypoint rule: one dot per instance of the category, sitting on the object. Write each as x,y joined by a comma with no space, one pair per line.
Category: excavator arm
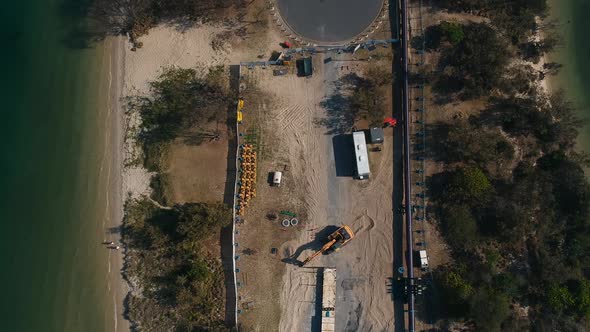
317,253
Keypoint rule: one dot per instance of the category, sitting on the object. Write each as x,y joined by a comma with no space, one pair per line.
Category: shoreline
570,77
118,287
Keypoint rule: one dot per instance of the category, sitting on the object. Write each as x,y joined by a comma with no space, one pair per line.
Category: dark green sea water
574,54
52,195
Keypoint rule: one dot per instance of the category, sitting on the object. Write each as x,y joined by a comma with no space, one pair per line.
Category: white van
276,178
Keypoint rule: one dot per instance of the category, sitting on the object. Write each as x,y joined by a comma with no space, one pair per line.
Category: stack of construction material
247,182
328,300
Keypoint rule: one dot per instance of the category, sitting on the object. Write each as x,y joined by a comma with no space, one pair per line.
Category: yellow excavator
336,241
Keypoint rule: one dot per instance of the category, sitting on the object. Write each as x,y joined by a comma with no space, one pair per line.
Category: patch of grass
160,185
181,102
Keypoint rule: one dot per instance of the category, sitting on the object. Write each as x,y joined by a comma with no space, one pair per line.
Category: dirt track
365,264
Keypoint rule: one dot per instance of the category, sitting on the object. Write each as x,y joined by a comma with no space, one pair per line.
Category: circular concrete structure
329,21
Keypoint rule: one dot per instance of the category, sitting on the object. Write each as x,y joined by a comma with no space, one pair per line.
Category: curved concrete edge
289,32
233,235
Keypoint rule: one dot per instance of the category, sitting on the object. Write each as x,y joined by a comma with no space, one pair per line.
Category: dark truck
304,67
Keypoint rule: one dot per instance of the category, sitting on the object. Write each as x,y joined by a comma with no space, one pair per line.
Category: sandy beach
117,286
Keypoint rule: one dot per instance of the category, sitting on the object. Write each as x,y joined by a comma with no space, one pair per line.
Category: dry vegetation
177,278
173,258
507,188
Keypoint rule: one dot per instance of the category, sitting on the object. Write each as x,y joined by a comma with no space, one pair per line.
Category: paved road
404,91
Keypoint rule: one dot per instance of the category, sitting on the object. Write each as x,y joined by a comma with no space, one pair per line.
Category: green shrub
559,297
489,308
470,185
460,227
452,31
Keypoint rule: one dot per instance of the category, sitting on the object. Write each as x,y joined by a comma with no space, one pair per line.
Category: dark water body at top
51,201
574,54
329,20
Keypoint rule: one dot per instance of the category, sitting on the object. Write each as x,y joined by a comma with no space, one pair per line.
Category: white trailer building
329,300
423,259
361,155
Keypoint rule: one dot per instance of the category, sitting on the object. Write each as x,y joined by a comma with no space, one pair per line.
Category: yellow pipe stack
247,182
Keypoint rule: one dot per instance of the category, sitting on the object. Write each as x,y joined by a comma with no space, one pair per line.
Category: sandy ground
364,265
275,294
117,286
197,172
261,269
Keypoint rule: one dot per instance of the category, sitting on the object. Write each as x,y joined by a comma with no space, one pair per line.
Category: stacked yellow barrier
247,181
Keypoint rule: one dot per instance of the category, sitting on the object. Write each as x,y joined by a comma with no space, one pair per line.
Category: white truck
423,259
329,300
276,178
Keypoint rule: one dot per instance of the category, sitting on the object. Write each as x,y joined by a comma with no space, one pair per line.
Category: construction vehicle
335,241
423,259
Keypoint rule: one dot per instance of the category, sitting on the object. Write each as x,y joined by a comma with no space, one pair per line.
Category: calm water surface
329,20
574,54
52,204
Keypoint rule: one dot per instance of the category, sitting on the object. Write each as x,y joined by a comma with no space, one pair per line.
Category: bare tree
122,16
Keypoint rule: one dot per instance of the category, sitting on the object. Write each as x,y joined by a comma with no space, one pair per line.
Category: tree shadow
436,185
114,230
79,30
340,117
226,236
430,40
316,320
200,137
157,229
427,308
433,301
166,294
436,135
133,326
315,245
340,110
231,173
447,87
166,221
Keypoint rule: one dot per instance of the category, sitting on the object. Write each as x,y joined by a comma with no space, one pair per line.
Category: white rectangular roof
423,258
329,300
360,153
329,289
328,324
